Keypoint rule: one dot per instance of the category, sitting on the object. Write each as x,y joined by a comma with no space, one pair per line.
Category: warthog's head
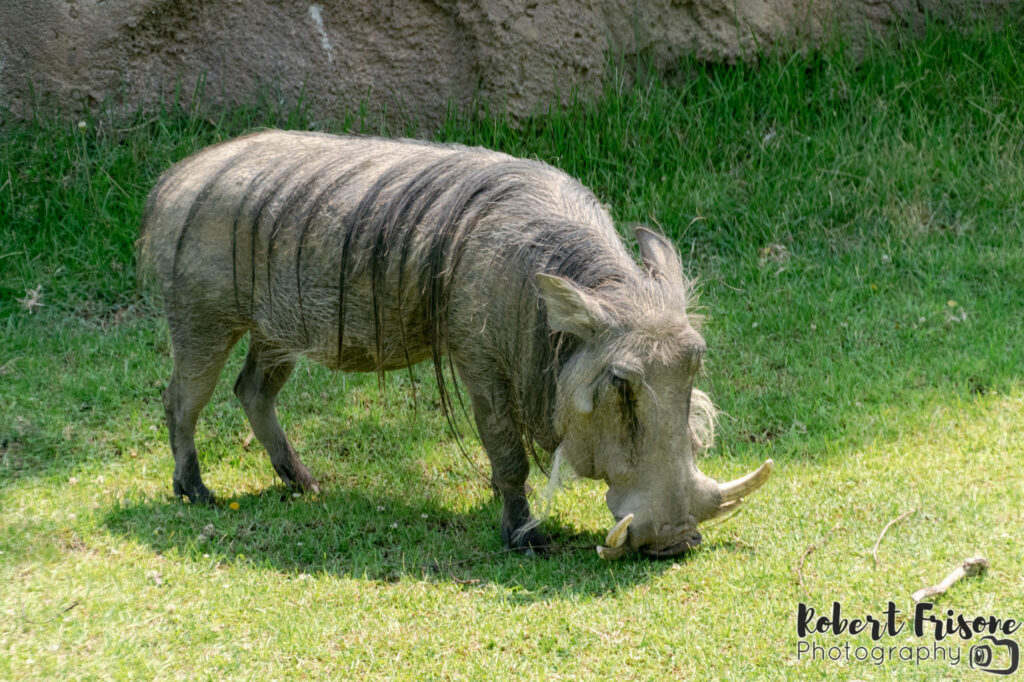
626,410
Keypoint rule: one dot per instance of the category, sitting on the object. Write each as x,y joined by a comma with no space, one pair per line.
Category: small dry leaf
33,299
957,317
208,532
773,253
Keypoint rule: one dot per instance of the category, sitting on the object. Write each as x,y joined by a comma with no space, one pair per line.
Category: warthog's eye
627,404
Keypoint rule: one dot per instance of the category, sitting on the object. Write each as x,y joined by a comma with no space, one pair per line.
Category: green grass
857,228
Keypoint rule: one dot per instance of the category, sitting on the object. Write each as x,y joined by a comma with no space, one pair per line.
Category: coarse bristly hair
350,250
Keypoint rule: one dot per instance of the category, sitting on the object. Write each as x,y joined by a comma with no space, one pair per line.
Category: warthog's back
345,248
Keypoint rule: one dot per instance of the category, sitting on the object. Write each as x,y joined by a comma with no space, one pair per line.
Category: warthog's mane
385,209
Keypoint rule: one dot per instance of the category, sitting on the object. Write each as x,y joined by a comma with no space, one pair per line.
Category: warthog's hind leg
192,382
257,387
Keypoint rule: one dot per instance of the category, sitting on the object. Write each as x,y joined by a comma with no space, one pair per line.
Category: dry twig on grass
972,566
8,366
50,619
807,553
874,550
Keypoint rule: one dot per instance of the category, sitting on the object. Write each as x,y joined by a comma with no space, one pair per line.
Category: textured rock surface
411,56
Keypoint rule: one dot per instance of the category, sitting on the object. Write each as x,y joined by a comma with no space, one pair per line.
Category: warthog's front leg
510,467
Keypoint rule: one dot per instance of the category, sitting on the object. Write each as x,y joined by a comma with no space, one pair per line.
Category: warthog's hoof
304,482
532,540
196,493
295,488
296,476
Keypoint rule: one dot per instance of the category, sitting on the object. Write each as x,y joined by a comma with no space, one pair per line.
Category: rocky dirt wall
400,56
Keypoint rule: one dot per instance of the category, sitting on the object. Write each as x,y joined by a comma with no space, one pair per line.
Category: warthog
368,255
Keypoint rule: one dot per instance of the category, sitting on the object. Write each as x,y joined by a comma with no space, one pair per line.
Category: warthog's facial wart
627,412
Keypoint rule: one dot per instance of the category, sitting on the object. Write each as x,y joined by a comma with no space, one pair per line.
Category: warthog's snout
645,531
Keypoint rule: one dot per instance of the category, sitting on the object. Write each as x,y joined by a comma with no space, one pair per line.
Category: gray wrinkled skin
368,255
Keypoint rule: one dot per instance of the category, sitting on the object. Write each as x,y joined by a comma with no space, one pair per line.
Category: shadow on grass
351,533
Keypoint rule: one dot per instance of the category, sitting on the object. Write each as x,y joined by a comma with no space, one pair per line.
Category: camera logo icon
982,657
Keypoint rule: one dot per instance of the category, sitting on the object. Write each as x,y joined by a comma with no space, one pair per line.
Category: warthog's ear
659,255
570,309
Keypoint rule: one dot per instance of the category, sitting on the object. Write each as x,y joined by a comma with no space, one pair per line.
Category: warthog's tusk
617,535
727,508
607,553
615,542
741,487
